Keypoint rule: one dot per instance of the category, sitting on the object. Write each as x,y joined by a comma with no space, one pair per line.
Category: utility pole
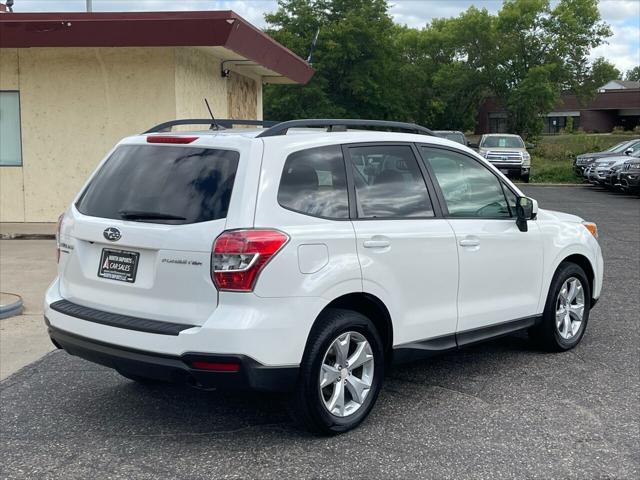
89,5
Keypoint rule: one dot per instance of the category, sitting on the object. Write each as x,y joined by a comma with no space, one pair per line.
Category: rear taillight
239,256
59,228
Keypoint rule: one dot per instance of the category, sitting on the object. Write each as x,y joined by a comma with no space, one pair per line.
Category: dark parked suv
627,148
630,175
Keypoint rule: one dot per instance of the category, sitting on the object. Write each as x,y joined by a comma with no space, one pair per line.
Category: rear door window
389,183
162,184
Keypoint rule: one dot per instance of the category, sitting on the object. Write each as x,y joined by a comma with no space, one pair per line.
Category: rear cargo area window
162,184
314,182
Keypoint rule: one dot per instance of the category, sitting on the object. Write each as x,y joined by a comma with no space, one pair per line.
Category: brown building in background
617,104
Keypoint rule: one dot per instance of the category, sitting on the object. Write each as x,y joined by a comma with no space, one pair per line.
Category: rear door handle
377,243
469,242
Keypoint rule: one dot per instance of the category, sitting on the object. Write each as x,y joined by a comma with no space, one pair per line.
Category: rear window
162,184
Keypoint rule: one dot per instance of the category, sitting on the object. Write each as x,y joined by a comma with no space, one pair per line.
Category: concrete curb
10,305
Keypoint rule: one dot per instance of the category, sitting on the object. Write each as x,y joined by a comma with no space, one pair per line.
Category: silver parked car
600,170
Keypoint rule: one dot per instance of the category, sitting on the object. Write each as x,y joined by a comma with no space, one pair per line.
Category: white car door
407,251
501,267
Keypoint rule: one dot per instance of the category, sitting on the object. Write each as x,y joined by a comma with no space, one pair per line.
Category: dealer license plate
118,265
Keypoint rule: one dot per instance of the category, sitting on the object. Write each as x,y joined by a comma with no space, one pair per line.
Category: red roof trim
152,29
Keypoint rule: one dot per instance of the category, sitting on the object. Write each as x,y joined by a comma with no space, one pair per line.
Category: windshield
497,141
162,184
617,147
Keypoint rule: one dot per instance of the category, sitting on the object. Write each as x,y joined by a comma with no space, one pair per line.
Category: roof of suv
313,135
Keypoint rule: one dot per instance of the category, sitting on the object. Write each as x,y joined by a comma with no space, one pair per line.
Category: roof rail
341,125
213,124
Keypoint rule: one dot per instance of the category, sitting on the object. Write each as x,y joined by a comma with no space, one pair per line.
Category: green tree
633,74
541,51
366,66
603,71
354,60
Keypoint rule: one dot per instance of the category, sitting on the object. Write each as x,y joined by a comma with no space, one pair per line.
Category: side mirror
525,210
531,145
628,151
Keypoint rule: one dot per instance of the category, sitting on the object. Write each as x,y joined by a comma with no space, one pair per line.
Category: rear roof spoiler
213,124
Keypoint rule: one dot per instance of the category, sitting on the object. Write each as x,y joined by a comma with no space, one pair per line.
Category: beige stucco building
95,78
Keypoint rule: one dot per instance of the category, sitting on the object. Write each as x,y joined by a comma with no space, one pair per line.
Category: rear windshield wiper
142,215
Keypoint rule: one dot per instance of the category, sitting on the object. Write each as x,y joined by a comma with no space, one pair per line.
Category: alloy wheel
570,308
346,374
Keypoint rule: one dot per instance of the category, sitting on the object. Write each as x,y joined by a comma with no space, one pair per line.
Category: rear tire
340,375
566,312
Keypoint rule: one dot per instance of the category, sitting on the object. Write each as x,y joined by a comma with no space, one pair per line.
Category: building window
10,143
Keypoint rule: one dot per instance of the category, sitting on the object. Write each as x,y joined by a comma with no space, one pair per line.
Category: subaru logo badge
112,234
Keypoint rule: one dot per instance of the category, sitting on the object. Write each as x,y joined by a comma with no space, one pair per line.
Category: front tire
566,312
525,178
341,373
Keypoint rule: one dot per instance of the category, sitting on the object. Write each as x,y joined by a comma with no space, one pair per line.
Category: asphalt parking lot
497,410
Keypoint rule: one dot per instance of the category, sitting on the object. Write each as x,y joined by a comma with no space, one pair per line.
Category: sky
622,49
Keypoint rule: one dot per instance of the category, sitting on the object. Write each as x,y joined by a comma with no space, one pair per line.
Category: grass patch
546,170
567,147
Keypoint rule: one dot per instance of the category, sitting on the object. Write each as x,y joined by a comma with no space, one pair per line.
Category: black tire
546,334
525,178
306,404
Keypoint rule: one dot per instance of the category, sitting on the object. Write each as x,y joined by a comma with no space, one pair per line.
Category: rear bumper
178,369
242,324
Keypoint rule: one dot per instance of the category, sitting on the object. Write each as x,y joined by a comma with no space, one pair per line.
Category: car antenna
214,125
313,46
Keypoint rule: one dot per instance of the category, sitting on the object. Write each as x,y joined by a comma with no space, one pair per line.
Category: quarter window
389,183
10,144
314,183
469,188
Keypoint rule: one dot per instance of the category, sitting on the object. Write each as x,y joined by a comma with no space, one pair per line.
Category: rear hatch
138,240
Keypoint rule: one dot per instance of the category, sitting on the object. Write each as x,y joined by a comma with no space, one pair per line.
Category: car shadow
117,405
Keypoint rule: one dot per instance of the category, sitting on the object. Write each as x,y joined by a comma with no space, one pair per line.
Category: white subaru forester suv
307,258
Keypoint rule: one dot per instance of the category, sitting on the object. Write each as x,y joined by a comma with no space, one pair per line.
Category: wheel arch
371,307
583,262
